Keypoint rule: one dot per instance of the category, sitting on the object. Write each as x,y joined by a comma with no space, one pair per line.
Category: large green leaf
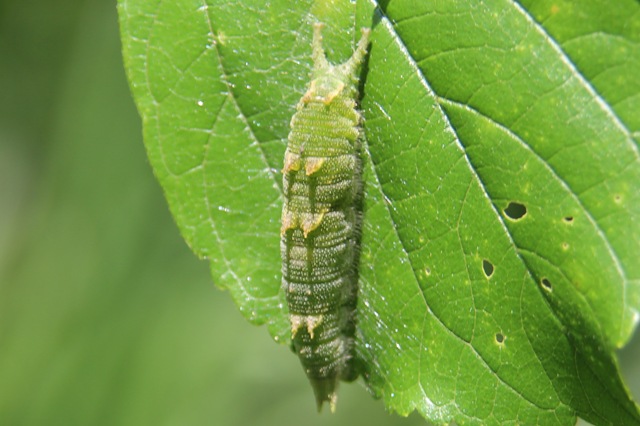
498,271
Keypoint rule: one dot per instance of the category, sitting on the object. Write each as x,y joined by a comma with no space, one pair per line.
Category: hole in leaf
487,267
515,211
500,337
546,284
617,198
568,219
427,271
565,246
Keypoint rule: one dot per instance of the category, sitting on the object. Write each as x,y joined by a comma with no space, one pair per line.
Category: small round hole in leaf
568,219
500,338
546,284
515,211
487,267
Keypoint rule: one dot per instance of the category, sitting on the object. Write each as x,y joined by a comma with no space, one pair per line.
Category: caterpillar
321,220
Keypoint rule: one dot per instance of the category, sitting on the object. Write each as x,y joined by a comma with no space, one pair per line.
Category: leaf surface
498,270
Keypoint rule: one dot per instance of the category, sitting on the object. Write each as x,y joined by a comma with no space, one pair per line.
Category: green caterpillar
320,220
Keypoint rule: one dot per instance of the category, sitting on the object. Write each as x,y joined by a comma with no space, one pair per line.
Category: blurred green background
106,318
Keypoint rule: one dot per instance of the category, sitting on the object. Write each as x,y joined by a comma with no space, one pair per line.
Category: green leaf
498,271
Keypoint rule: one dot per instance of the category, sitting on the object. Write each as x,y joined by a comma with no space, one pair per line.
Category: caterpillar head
324,88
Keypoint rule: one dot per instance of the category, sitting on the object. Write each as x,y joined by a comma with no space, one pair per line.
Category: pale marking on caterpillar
321,218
